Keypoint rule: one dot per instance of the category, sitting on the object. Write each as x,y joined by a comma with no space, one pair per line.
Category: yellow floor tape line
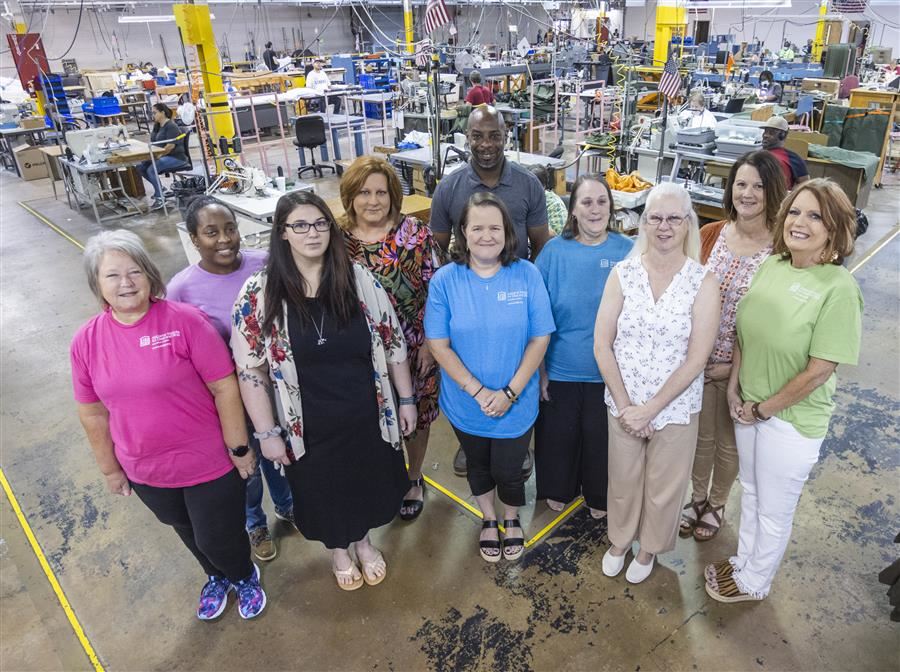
51,577
875,249
471,509
52,225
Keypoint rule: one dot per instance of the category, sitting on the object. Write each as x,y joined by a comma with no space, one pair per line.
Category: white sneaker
638,572
612,564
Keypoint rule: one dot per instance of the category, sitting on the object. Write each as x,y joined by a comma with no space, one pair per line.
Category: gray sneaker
262,543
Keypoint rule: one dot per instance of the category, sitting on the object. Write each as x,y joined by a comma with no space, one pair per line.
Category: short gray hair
671,191
125,242
697,97
475,77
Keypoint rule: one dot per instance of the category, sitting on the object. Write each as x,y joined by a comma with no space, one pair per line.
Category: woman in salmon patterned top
732,249
400,252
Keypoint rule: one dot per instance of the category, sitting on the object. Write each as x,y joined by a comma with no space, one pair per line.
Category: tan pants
647,483
716,447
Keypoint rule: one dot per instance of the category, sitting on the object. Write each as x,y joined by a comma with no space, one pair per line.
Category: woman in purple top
212,285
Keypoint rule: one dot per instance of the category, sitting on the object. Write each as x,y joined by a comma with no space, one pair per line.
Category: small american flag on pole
423,52
670,82
436,15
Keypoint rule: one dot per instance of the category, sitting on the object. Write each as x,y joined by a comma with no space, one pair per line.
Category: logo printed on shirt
802,294
516,298
159,340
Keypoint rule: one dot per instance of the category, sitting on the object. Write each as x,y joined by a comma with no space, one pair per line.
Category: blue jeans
163,164
279,490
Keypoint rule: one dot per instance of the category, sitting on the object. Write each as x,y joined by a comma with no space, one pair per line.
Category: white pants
775,461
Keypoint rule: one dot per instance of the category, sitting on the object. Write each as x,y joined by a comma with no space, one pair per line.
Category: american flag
423,52
670,82
436,15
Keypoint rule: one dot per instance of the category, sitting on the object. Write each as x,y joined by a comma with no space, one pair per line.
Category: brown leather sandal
686,528
713,529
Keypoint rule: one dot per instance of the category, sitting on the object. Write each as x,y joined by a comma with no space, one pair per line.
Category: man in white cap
794,167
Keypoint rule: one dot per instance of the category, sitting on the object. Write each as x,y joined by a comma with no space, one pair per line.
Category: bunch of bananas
631,182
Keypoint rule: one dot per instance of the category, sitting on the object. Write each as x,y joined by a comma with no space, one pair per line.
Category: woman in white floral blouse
325,332
655,330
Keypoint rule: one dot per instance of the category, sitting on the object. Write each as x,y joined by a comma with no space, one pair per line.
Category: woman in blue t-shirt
488,322
570,435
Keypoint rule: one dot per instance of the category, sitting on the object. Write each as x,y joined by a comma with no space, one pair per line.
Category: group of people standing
631,363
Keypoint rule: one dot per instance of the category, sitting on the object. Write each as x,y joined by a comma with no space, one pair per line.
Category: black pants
571,444
496,463
337,101
209,518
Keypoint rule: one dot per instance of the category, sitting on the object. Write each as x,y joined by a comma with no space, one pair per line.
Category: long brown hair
355,177
838,216
459,249
285,283
773,184
570,230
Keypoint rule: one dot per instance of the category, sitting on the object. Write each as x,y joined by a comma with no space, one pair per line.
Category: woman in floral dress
325,332
401,254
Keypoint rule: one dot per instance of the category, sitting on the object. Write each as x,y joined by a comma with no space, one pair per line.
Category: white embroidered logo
802,294
159,340
515,298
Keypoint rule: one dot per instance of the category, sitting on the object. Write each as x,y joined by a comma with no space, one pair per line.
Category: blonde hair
671,191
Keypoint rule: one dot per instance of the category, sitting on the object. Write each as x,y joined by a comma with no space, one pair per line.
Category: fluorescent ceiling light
735,4
155,18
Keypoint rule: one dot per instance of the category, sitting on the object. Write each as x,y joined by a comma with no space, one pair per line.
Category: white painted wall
233,24
778,23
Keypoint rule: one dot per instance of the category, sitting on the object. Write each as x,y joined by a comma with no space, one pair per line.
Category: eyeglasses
673,221
321,225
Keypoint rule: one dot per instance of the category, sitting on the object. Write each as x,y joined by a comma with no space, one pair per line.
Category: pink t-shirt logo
159,340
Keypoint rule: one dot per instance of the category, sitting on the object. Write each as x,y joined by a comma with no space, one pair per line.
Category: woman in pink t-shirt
159,402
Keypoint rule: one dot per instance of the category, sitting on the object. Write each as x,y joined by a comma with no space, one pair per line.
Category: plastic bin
106,105
373,110
367,81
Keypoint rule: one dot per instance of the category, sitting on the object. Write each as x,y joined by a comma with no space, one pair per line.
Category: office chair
174,172
310,133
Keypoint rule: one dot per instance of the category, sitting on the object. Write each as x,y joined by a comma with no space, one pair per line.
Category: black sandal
517,543
489,544
686,526
417,505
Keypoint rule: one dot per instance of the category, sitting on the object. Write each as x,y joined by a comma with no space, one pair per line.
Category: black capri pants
496,463
209,517
571,444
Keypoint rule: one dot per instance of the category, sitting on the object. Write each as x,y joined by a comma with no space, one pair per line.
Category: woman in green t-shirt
801,317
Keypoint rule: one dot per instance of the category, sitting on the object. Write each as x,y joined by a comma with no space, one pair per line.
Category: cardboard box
33,122
418,180
762,113
31,161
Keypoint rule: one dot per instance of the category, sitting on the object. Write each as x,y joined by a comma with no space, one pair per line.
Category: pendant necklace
319,329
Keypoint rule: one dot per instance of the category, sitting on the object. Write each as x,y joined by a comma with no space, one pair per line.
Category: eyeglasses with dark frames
321,225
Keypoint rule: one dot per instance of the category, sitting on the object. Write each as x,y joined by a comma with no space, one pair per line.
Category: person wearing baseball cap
775,131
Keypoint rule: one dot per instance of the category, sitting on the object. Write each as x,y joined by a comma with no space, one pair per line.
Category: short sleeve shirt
170,131
520,191
213,293
575,275
480,95
151,376
489,322
787,316
653,336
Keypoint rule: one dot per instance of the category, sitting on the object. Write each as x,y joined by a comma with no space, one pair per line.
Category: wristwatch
275,431
240,451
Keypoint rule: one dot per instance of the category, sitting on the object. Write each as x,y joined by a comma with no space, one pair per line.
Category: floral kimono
252,349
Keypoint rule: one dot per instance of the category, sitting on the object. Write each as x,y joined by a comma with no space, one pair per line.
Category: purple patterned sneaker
251,596
213,598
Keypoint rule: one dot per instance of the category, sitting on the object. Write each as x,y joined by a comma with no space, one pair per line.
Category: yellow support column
819,42
408,25
196,31
670,21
